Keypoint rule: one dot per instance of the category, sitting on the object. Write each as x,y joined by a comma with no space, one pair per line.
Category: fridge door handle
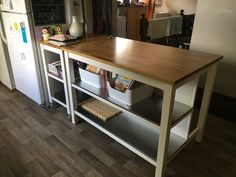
1,34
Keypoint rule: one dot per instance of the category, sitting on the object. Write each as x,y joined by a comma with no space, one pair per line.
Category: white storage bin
92,79
130,97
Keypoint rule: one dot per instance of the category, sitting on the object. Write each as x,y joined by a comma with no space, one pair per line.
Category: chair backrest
143,27
188,21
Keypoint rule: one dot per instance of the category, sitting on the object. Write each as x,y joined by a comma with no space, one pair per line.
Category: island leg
71,91
206,101
164,137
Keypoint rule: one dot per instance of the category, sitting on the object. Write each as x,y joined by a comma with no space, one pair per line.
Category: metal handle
1,33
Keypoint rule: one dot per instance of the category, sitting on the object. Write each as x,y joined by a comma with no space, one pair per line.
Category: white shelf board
135,134
149,109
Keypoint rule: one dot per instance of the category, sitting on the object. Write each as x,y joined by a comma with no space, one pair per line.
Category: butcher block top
163,63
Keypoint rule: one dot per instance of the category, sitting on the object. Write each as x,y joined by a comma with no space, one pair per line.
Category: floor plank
36,170
60,174
12,161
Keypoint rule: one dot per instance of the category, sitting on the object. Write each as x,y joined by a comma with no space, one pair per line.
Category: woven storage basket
101,110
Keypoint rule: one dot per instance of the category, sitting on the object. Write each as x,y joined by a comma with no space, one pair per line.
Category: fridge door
5,76
16,6
21,47
5,66
2,37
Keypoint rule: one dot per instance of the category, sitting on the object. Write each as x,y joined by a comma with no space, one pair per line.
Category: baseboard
221,106
10,90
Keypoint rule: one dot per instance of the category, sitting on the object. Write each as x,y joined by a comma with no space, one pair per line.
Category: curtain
102,16
151,7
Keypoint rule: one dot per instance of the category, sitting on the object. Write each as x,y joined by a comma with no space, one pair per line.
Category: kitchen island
155,128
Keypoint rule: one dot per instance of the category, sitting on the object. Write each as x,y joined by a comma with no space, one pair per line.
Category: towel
157,28
175,25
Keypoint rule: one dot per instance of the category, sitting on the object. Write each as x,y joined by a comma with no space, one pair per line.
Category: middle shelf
148,109
60,98
56,77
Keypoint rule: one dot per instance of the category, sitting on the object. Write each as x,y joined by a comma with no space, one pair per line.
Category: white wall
174,6
215,32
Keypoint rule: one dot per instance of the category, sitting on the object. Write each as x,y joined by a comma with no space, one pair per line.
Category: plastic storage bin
92,79
130,97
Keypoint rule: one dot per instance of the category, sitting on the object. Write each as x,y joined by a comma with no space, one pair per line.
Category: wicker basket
101,110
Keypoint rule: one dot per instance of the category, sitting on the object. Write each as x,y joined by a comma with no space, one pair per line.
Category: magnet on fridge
23,31
16,26
22,56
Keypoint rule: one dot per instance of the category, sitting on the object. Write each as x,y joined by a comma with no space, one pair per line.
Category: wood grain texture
167,64
83,151
133,16
48,44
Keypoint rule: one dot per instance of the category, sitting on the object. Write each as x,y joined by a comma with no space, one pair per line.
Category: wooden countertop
167,64
49,44
87,38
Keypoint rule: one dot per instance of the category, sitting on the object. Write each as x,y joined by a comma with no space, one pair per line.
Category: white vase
76,28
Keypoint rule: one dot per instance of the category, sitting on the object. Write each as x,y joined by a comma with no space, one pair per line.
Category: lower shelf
135,134
59,97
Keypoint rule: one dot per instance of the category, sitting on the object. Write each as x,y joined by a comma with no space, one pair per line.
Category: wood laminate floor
35,142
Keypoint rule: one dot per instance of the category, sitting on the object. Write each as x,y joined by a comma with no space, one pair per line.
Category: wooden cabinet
133,15
121,26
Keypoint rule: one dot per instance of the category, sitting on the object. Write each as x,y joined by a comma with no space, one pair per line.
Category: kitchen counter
168,64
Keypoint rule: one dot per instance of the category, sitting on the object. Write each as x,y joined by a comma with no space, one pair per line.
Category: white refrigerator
18,26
